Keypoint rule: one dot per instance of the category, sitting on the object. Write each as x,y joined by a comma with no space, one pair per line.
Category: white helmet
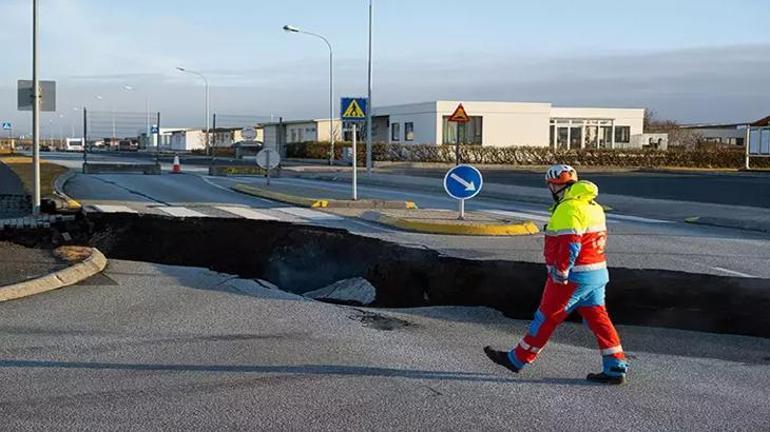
561,175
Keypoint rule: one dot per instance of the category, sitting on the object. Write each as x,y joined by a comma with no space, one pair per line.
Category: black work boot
501,358
603,378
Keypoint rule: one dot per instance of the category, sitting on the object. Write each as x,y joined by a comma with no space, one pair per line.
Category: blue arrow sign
463,182
154,129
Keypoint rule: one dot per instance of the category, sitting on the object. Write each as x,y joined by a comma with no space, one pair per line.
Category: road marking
247,213
733,272
308,214
113,208
638,219
181,212
211,183
517,215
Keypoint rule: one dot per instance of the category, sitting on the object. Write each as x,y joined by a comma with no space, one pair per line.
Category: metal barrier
107,168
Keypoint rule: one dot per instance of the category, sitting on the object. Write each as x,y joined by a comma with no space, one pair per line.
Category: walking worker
575,240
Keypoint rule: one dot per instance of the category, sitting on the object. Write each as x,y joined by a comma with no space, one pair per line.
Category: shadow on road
335,370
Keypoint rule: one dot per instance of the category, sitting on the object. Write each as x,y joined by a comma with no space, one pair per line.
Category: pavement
747,189
636,241
631,205
160,348
19,264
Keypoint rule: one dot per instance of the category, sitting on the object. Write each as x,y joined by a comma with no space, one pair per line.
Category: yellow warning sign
353,111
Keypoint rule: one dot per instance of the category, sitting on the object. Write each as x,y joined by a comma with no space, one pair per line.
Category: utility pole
369,96
35,114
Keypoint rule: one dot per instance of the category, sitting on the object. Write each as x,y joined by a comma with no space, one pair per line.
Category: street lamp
292,29
129,88
369,101
206,82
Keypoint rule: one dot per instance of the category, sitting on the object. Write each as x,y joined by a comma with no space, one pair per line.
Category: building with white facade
503,124
185,140
299,131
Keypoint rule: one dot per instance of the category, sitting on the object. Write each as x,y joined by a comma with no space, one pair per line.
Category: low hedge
523,156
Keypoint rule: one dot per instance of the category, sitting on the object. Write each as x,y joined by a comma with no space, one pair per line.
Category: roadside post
461,183
268,159
757,143
460,116
354,111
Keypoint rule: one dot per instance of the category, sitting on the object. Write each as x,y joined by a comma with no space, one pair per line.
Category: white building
503,124
186,140
299,131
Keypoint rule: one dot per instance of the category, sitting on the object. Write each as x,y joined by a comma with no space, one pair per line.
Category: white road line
211,183
638,219
308,214
113,208
733,272
181,212
247,213
517,215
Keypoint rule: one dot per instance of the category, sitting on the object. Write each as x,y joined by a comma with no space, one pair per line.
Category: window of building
622,134
293,135
395,132
469,133
409,131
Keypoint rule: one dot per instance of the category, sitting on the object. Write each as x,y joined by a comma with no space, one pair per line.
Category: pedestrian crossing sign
353,109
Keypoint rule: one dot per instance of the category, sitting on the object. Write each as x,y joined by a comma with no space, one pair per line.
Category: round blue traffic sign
463,182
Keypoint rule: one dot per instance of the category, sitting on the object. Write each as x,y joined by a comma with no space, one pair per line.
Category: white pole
331,103
462,209
208,146
35,114
748,155
370,106
355,162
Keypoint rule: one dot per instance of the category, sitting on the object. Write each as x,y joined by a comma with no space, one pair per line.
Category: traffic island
447,222
73,264
307,196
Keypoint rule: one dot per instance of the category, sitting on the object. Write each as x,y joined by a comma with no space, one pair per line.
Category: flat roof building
504,124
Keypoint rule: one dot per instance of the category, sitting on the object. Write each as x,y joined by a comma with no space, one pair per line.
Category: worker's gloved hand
559,277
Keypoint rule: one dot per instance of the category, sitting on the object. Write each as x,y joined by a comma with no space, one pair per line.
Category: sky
689,60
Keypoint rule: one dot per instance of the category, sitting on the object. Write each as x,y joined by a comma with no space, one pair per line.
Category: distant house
227,137
727,134
299,131
186,140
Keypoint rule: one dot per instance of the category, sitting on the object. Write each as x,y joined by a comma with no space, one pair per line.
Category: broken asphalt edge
452,228
72,275
319,202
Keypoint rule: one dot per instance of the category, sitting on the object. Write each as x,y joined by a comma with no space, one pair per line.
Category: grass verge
22,166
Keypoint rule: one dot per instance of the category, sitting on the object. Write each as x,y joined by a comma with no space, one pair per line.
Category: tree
677,136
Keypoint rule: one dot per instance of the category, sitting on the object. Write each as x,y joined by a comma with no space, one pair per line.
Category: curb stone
469,229
321,203
79,272
58,186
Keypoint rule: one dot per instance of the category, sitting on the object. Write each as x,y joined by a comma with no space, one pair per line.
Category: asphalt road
745,189
634,242
158,348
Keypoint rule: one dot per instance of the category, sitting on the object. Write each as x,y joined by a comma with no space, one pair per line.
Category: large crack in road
301,258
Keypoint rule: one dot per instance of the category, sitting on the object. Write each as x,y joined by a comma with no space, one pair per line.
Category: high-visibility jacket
576,236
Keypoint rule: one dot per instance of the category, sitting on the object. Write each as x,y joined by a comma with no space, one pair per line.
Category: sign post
8,126
460,116
268,159
354,110
463,182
